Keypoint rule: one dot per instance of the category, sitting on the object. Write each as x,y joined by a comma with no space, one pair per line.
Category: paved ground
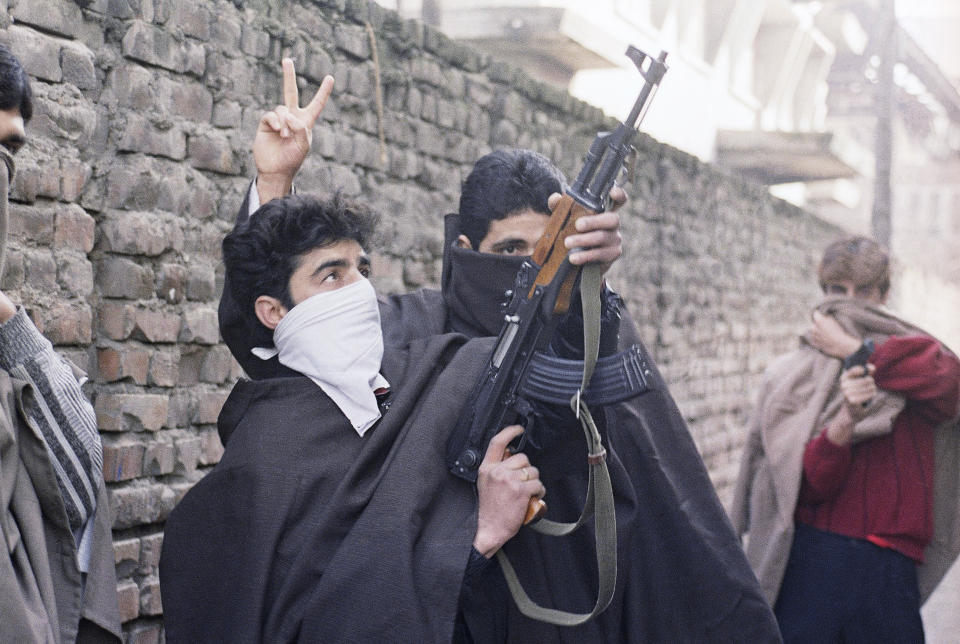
941,614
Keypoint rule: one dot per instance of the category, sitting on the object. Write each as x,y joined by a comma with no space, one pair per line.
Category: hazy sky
936,25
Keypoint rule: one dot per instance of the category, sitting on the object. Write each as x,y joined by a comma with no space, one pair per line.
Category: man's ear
463,242
269,311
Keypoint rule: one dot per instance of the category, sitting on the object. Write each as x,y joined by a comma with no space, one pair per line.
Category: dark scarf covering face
474,285
683,576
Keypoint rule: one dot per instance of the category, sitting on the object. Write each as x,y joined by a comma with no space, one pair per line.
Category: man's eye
837,289
332,276
509,249
365,271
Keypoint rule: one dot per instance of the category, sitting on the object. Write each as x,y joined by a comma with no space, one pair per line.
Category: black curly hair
261,254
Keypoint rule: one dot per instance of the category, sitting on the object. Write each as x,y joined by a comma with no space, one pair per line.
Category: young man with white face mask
331,516
674,538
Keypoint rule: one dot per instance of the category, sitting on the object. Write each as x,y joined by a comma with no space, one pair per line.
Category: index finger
602,221
553,200
857,371
291,97
496,450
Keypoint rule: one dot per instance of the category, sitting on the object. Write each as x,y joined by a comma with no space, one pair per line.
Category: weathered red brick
116,319
134,505
172,282
159,458
150,602
126,556
67,323
74,274
74,176
188,455
39,54
128,597
211,449
145,634
156,326
125,362
200,326
138,233
209,407
201,283
151,45
78,66
119,412
140,135
165,367
30,223
122,461
150,548
212,151
217,365
180,408
41,270
122,277
60,18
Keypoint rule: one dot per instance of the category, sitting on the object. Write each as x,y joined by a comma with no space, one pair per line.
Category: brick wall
139,157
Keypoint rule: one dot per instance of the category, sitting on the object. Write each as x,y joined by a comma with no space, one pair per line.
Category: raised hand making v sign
284,136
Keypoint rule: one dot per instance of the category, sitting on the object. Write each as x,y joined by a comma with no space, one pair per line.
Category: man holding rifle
331,516
682,575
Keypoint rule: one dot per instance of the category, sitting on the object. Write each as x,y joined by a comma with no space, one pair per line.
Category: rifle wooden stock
551,250
535,509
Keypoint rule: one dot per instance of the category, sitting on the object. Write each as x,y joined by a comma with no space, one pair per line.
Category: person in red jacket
865,510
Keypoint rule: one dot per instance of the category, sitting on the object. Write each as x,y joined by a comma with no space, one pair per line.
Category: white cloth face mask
334,338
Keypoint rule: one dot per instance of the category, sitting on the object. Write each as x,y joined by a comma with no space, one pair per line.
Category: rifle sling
599,502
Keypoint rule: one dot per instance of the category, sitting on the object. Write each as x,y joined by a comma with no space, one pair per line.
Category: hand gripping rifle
518,370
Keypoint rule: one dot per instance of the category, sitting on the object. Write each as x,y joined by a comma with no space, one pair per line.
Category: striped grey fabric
60,412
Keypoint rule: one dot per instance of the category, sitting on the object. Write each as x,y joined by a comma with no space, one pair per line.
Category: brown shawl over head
798,396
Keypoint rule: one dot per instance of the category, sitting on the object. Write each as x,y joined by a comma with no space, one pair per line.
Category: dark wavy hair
503,183
15,89
262,253
856,259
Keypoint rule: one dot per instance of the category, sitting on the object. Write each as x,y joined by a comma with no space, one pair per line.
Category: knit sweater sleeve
825,468
57,408
919,368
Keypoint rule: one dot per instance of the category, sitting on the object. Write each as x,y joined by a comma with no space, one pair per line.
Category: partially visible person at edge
57,577
682,573
331,516
838,491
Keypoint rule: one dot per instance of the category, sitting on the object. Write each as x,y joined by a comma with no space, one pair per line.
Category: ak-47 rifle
542,291
518,371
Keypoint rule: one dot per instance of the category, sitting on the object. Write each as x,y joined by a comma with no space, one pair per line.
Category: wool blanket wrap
682,575
799,395
307,532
